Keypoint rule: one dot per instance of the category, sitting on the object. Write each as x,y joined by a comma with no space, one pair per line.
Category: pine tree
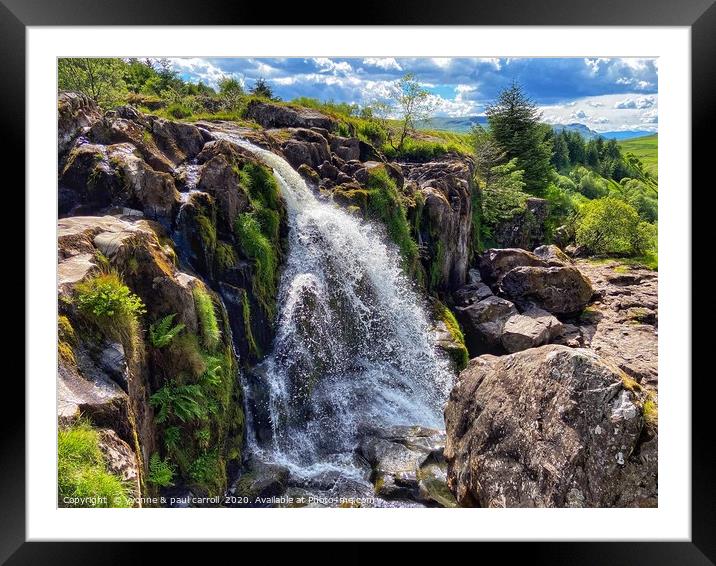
514,124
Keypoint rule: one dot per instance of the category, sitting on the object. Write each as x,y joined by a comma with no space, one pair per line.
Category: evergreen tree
514,123
262,89
560,153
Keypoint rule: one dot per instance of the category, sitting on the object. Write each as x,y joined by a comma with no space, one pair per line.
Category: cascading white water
353,345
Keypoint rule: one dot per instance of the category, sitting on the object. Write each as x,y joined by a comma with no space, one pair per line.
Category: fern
161,472
185,402
172,437
162,333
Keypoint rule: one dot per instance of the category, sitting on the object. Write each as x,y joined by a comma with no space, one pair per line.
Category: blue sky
604,94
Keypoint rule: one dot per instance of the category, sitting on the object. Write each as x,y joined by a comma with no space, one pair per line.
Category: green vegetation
66,339
208,323
385,204
161,472
646,150
612,226
82,474
257,247
162,333
183,402
224,258
514,126
459,354
109,303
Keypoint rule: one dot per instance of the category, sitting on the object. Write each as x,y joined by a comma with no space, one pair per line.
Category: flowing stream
353,347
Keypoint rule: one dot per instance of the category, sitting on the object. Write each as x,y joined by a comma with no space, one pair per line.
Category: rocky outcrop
444,218
495,263
533,327
526,229
621,324
548,427
108,367
271,115
76,112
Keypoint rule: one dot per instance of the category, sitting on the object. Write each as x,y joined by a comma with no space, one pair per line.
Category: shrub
610,226
208,323
161,472
162,333
106,296
178,110
82,471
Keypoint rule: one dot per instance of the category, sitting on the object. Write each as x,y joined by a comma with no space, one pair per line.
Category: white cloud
639,102
385,63
613,114
326,65
201,70
595,63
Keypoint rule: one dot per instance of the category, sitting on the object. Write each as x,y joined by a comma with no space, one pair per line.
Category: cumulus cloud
385,63
196,69
580,115
636,103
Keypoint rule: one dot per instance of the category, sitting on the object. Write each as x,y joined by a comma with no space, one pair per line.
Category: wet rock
260,480
559,290
546,427
483,324
406,462
281,116
113,361
306,147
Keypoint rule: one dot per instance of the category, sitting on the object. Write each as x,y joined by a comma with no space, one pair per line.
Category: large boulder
560,290
495,263
533,327
306,147
177,140
76,112
483,324
547,427
271,115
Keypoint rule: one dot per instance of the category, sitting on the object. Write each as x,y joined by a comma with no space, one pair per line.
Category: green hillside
646,149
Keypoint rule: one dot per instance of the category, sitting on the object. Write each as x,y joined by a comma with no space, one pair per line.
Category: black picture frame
699,15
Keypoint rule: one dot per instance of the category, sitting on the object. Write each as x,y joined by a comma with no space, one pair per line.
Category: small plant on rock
210,332
161,472
162,333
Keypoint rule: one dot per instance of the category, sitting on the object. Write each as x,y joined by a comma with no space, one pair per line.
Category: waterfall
353,347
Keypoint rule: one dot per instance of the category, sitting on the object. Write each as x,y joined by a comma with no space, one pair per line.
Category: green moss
208,323
650,411
66,339
82,471
459,355
248,333
261,184
207,231
386,205
435,271
262,252
208,472
224,258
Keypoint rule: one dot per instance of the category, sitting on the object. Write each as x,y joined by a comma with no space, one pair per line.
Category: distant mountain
576,127
461,124
591,134
626,135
